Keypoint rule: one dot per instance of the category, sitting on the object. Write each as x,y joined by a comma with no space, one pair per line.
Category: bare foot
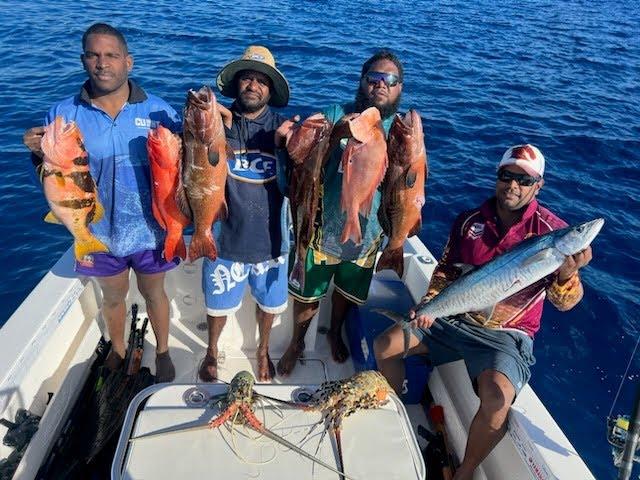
339,350
266,370
288,361
208,370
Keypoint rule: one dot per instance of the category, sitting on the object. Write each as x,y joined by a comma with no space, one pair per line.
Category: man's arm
566,289
32,139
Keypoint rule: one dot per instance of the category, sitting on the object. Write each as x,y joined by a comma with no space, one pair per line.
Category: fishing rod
631,442
623,432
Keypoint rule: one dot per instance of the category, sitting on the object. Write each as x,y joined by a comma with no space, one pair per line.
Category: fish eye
580,228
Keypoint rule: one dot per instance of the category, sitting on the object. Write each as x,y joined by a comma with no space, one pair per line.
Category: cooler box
363,326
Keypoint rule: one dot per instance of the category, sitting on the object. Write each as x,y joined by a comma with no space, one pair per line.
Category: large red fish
400,212
308,147
165,159
205,169
68,186
364,162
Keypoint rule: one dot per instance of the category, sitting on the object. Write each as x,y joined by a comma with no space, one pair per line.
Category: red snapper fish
168,203
68,186
403,194
205,169
308,148
364,162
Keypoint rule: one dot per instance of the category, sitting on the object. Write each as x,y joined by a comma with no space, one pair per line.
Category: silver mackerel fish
480,289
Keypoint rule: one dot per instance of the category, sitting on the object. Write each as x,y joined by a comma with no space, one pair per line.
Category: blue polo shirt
117,150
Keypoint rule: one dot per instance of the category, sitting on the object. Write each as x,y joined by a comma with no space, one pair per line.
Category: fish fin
158,216
365,207
183,203
351,229
88,246
203,245
98,212
410,179
51,218
174,245
60,180
392,259
415,230
487,312
541,255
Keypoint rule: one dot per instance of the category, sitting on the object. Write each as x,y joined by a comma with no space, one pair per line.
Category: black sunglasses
390,79
521,179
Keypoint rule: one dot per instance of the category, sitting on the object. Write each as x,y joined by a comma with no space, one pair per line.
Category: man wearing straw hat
251,244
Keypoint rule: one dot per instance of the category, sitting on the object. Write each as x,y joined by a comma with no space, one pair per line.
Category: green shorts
351,278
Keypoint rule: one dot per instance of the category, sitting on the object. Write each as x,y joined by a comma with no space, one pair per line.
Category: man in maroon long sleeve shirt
498,350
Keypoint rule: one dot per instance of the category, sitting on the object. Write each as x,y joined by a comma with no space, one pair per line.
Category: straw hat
261,60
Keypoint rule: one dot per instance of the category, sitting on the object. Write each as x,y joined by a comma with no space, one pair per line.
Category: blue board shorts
146,262
506,351
224,281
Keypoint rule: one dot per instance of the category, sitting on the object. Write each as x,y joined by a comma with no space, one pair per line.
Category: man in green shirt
349,264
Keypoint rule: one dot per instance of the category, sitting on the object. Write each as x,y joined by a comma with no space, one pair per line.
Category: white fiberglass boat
48,346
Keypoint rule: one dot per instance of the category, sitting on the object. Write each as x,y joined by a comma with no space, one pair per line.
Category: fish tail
203,245
87,246
392,259
51,218
351,229
174,245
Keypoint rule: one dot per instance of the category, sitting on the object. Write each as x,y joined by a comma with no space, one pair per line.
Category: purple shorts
105,265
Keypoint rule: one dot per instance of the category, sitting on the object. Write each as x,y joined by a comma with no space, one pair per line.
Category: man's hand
281,135
572,263
227,116
421,321
32,139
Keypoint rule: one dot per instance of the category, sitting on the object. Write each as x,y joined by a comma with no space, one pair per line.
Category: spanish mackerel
480,289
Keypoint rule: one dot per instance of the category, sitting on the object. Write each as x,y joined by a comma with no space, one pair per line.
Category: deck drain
302,395
194,397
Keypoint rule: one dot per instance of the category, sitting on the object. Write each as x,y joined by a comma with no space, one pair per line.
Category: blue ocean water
484,75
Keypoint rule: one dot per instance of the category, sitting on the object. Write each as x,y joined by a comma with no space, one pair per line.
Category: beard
362,102
251,105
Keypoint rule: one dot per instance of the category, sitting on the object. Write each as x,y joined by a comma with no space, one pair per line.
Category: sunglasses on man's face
521,179
390,79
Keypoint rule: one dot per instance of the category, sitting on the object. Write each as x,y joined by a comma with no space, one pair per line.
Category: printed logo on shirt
253,166
476,230
145,122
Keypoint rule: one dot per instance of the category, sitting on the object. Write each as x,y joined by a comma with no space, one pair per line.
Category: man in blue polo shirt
115,115
251,246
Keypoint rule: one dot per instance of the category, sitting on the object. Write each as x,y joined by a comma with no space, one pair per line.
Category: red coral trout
68,186
400,212
364,163
308,147
205,169
165,159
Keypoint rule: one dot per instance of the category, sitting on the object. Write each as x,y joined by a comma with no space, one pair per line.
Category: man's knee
496,393
382,346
